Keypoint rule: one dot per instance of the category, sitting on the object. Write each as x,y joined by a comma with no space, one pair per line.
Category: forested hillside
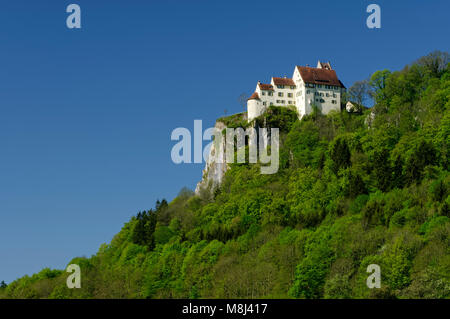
353,189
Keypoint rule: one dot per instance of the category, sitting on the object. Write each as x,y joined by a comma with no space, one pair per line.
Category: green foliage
340,154
234,121
144,229
347,195
311,272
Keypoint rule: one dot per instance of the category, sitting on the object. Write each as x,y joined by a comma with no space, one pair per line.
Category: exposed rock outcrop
216,165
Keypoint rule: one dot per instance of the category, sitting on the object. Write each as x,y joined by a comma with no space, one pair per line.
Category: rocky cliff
216,165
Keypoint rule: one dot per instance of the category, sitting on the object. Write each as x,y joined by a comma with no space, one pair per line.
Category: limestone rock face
370,119
353,107
350,107
215,167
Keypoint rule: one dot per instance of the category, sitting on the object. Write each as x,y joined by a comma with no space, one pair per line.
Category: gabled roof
319,76
254,96
283,81
265,87
323,65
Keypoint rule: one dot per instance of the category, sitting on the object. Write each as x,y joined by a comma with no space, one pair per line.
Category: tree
340,154
398,177
144,229
138,231
3,285
382,169
435,62
242,99
377,83
359,92
356,185
161,205
423,154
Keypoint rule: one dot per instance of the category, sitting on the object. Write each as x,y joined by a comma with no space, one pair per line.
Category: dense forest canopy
353,189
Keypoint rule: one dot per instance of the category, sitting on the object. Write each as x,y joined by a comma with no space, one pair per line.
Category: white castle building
308,86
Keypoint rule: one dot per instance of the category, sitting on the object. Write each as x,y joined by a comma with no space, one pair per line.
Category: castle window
292,87
263,93
308,91
270,93
264,103
271,103
334,95
333,101
289,94
280,94
328,95
319,86
322,101
280,86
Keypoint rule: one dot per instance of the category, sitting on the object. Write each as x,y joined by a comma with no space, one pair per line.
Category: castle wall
254,109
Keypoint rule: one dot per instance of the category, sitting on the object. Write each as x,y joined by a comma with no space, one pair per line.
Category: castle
308,87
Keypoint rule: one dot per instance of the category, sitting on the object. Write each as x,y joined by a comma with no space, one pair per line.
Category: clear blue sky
86,115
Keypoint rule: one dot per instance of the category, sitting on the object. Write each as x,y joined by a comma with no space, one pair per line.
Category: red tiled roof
266,87
254,96
283,81
319,76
